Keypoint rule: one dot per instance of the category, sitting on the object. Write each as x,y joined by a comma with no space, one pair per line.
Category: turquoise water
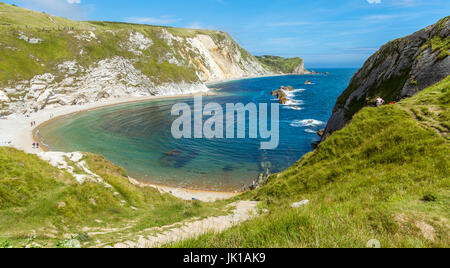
138,136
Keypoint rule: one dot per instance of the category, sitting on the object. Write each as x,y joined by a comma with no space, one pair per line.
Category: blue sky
326,33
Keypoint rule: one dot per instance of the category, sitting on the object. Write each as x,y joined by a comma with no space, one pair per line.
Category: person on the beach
37,145
34,145
379,101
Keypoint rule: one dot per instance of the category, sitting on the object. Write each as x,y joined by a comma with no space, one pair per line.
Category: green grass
381,177
279,64
38,199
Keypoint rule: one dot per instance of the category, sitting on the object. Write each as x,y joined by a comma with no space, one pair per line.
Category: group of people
380,102
35,145
252,187
33,123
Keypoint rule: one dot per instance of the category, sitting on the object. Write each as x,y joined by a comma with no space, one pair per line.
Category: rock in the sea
288,88
283,101
281,94
321,132
300,204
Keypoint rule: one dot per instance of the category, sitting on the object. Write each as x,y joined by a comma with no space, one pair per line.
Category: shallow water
137,136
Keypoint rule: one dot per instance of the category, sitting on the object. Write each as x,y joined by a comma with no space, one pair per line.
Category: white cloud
374,1
74,1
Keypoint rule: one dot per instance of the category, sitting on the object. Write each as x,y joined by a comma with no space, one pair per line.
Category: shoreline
16,131
100,105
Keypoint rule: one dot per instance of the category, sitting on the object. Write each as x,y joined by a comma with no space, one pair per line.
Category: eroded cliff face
300,69
219,57
139,64
399,69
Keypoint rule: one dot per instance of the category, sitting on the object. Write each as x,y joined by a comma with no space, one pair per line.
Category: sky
326,33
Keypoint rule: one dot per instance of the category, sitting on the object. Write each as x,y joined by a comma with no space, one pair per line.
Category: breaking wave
306,123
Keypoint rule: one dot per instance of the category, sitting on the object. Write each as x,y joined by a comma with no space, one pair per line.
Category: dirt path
244,211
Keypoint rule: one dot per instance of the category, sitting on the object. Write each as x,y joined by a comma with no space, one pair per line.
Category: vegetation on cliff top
385,176
280,64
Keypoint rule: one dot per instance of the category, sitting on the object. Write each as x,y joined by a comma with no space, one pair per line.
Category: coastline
99,105
17,129
216,82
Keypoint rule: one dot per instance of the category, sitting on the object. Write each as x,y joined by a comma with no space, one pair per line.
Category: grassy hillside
385,176
280,64
14,15
45,204
437,46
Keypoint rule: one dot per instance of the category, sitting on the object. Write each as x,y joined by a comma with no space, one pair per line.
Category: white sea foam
310,131
295,107
292,102
306,123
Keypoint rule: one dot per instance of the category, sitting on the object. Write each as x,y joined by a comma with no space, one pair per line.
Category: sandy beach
16,131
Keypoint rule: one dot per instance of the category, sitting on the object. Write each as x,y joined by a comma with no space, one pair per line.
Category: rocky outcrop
110,79
281,94
300,69
399,69
138,64
284,65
